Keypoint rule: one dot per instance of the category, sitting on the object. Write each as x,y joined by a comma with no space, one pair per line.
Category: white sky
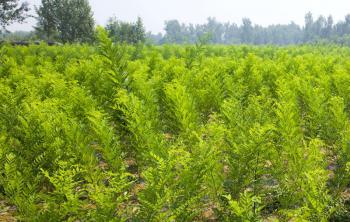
155,12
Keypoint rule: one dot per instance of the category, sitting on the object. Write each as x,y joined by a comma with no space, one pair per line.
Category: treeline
314,30
72,21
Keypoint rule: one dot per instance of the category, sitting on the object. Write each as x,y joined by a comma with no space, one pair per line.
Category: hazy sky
155,12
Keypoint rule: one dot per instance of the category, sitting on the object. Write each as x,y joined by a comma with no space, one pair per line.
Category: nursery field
174,133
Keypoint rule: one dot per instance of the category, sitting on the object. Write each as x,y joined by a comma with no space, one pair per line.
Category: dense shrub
178,133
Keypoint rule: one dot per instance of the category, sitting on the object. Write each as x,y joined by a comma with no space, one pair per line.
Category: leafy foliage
12,11
174,133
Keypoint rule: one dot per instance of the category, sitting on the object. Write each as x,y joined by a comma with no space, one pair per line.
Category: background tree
47,22
308,29
75,21
247,31
113,28
19,36
12,11
320,27
329,27
140,32
71,19
216,29
131,33
175,32
343,27
231,34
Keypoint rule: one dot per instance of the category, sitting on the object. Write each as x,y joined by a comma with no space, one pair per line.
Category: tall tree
140,32
346,28
216,30
75,21
47,21
231,35
247,31
320,26
72,19
308,29
329,27
112,28
12,11
174,32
